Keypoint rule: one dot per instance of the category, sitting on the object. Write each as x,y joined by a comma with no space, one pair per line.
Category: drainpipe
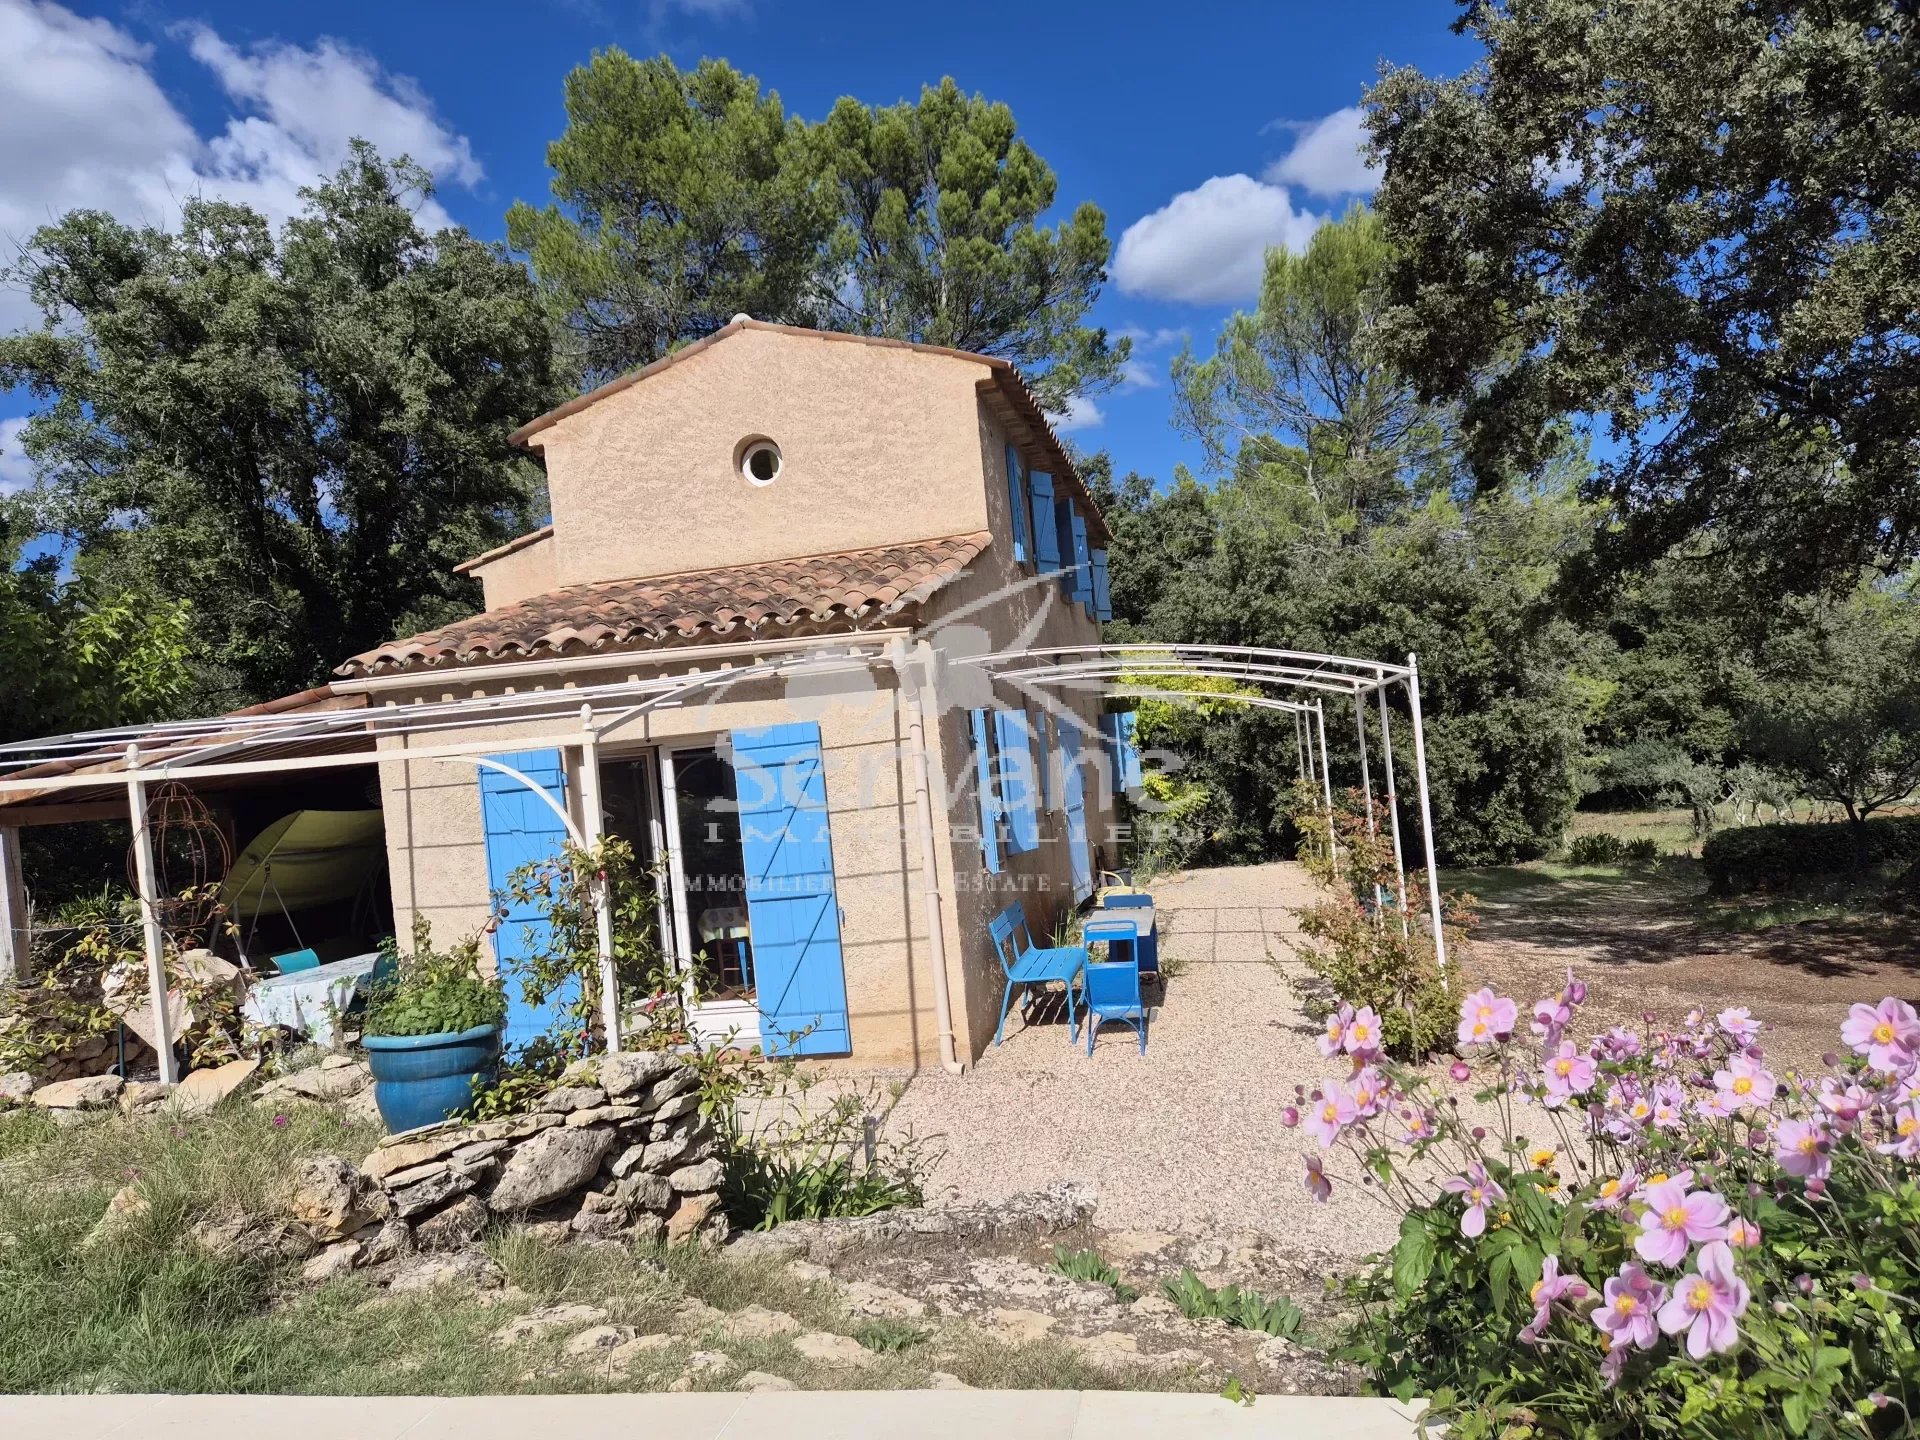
922,715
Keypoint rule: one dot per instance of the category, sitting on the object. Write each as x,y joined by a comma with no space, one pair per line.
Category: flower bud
1460,1071
1290,1117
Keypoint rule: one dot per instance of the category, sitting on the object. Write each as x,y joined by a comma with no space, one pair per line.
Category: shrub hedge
1771,857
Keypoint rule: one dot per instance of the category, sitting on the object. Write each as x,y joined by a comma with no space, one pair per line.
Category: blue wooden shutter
1110,734
1102,596
1017,501
1082,562
983,785
1126,727
1063,526
1046,525
1017,781
1074,802
521,829
792,911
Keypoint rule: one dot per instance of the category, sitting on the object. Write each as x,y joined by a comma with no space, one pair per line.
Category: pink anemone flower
1486,1018
1707,1303
1799,1147
1887,1034
1677,1218
1328,1116
1744,1084
1318,1186
1628,1309
1362,1037
1568,1073
1480,1190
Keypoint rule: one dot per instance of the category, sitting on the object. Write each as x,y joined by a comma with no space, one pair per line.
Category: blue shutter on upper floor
983,786
522,829
1063,527
1102,596
1046,525
1017,502
1082,562
1019,786
793,913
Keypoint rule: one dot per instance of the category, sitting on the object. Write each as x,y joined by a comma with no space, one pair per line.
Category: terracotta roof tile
850,586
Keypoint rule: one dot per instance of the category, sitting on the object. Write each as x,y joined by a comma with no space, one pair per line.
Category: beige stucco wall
879,447
519,574
437,848
1000,605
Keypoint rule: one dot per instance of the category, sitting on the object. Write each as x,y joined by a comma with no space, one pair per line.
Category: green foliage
1833,699
1774,857
807,1160
1601,848
564,891
937,240
1087,1265
684,198
890,1337
1695,220
1246,1309
1366,940
1822,1347
434,992
292,438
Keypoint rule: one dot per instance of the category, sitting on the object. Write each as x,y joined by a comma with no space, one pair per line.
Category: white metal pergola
581,717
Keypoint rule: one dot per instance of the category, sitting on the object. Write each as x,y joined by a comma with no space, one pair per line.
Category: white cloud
1208,246
1079,415
1138,375
16,471
84,124
1326,158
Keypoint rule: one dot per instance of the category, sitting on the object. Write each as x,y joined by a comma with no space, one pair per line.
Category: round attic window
760,462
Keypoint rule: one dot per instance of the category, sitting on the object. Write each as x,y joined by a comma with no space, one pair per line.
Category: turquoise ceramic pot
424,1079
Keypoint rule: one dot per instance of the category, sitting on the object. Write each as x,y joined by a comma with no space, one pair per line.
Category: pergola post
1366,773
1426,815
1393,802
592,826
922,707
16,956
1326,773
156,940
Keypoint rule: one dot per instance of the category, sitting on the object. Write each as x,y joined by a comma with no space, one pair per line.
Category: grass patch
146,1309
1087,1265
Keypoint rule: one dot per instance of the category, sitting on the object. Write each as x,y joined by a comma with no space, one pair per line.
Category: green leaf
1412,1256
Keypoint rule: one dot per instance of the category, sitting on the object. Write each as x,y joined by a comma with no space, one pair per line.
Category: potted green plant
432,1030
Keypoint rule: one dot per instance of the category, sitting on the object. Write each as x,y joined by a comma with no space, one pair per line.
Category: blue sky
1205,132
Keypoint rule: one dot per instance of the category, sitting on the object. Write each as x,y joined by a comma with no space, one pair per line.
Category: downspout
922,713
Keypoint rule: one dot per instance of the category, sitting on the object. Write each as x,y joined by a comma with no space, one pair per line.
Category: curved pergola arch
1288,681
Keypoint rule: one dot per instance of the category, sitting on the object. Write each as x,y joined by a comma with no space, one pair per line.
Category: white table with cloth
310,1001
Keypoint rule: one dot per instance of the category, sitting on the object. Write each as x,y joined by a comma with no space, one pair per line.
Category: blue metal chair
1113,986
295,961
1027,964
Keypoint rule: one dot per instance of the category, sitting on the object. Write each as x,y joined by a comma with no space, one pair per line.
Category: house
772,491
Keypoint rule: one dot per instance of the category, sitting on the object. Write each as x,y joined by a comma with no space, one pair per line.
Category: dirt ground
1645,942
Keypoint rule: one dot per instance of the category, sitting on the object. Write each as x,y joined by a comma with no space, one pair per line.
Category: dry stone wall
618,1151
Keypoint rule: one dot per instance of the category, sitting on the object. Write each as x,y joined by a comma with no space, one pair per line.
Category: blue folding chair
295,961
1027,964
1112,987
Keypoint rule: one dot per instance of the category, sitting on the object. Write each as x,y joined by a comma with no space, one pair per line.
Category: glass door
708,870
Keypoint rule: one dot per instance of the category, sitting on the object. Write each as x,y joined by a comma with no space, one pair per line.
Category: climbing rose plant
1650,1232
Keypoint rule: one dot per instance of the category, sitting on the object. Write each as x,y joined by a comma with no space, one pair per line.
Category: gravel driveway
1188,1137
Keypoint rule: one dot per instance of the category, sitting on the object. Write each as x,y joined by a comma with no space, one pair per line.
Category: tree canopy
297,436
683,198
1697,221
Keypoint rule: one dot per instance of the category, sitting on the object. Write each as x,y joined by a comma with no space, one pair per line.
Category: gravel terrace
1188,1137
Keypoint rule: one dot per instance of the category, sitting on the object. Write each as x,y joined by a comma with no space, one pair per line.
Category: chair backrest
1113,986
1003,928
296,960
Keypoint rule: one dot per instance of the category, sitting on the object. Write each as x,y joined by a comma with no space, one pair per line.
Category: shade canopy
308,858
